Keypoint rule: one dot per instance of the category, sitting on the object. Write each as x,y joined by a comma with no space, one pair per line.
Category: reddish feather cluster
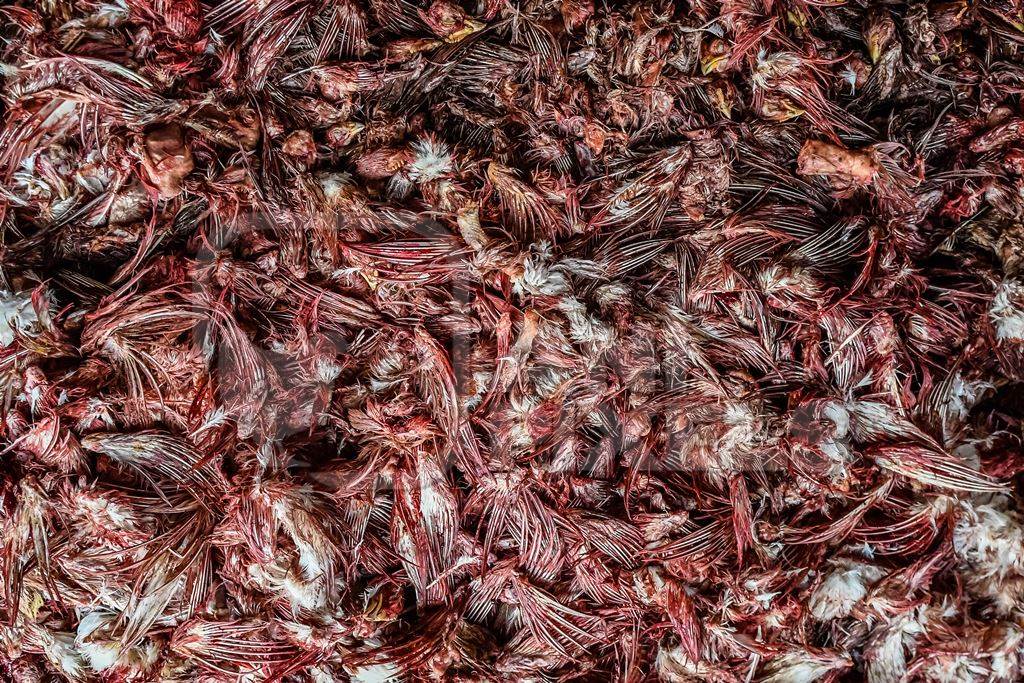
388,340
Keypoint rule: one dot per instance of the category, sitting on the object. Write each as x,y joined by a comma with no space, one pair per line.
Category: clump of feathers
406,340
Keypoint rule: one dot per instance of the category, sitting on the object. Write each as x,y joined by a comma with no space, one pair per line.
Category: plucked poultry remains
389,340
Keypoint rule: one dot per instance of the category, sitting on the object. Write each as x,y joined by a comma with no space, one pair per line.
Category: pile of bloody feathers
386,340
